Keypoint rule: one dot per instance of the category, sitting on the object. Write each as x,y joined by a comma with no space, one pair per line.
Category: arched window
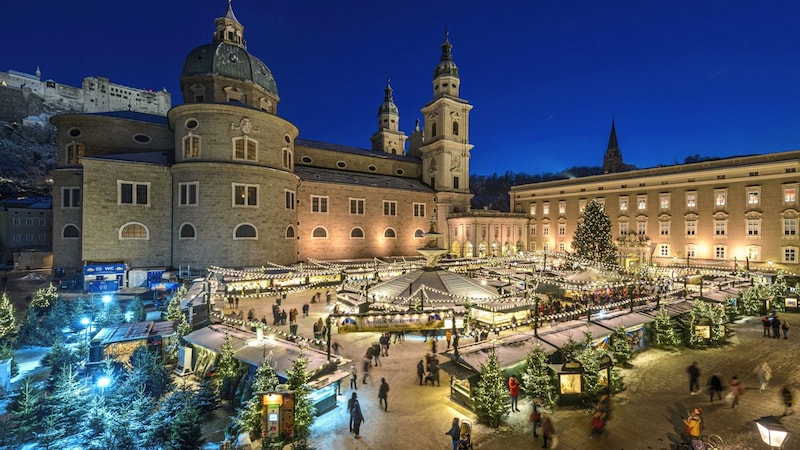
357,233
433,130
455,128
244,148
187,232
389,233
191,146
245,231
70,232
134,230
419,233
319,233
290,232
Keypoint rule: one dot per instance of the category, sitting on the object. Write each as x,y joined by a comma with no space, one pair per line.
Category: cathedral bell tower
445,150
389,138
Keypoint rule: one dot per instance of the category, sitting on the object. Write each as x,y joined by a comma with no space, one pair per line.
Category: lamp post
772,431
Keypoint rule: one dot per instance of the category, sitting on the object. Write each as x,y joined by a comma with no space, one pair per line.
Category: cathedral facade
224,180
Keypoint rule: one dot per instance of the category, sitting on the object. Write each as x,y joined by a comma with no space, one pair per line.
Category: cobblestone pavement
646,416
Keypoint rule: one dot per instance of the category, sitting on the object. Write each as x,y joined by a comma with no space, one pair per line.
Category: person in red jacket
513,391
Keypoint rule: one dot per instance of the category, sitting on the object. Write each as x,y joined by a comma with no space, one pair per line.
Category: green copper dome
446,66
230,61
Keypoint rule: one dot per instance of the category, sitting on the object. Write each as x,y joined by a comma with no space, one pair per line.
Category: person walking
421,372
350,402
376,353
383,393
448,336
694,376
715,386
785,328
365,369
776,327
548,431
337,347
358,418
736,388
788,398
353,377
536,416
766,324
692,424
764,374
454,432
513,392
384,341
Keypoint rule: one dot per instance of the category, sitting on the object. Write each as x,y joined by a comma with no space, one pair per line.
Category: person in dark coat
776,327
358,418
420,371
715,386
766,324
383,394
350,402
454,433
694,376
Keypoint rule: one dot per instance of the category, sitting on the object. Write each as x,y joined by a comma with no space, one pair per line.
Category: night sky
713,78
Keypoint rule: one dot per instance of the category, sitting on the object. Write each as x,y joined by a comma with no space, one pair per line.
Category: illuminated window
134,231
641,228
581,205
562,207
245,194
691,251
191,146
663,201
753,196
720,252
663,228
641,203
790,227
623,228
245,148
562,229
546,208
720,227
533,209
623,203
790,195
753,227
546,230
720,199
691,200
790,254
74,152
753,252
691,228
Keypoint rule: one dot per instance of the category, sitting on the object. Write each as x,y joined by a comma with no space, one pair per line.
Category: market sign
389,322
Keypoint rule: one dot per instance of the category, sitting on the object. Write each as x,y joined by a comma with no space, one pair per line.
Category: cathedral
223,180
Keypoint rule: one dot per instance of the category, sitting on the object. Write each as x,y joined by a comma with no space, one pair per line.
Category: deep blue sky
709,77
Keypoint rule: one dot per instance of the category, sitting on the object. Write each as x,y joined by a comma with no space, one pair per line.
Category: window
790,254
74,152
641,228
753,194
562,229
663,228
753,227
546,208
720,227
719,252
187,193
691,200
455,128
245,231
663,201
131,193
546,230
244,148
389,233
289,197
16,222
288,160
663,250
790,227
70,232
433,130
790,195
319,204
641,203
691,251
720,199
753,252
533,209
582,205
455,182
623,204
191,146
691,228
562,207
562,247
187,232
623,228
290,232
319,233
245,194
28,222
356,233
133,231
533,230
419,209
70,197
357,206
389,208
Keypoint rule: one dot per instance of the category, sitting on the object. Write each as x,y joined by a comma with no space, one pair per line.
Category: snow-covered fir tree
44,297
25,409
248,417
620,346
227,363
593,239
8,321
663,331
174,308
491,393
304,410
538,381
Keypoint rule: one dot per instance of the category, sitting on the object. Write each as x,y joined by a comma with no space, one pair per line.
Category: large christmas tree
491,393
593,239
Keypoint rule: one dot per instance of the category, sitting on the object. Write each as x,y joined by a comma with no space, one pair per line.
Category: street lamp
103,382
772,431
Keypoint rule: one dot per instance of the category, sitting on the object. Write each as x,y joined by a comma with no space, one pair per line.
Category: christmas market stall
119,341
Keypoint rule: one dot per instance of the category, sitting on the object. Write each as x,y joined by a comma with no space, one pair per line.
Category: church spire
612,161
229,29
445,75
388,114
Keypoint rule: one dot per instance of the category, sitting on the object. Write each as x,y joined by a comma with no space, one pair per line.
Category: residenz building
224,180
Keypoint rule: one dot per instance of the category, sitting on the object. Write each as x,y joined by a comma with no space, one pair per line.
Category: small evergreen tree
248,418
227,363
304,410
174,312
148,370
593,239
67,402
44,297
25,409
663,332
136,310
60,358
8,321
752,300
52,431
620,346
538,381
704,313
491,393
